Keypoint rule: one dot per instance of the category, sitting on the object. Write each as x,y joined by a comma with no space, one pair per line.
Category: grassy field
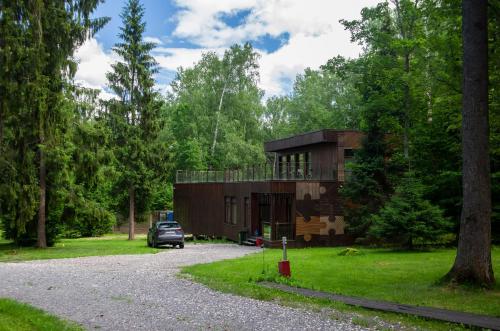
112,244
106,245
404,277
15,316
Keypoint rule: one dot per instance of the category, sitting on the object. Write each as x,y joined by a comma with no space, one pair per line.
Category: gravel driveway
132,292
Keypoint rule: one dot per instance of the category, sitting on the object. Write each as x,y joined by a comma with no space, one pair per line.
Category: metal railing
260,172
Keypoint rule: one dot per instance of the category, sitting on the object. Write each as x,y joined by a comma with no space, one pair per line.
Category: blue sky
290,35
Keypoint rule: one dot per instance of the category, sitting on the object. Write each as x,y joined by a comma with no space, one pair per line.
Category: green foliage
134,118
38,41
407,218
324,98
216,107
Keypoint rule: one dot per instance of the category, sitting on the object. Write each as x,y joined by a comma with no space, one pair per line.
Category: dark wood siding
199,208
315,207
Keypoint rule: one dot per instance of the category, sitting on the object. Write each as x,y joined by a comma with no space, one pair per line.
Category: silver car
166,233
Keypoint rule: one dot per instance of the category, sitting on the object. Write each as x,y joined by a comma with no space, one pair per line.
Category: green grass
404,277
106,245
15,316
111,244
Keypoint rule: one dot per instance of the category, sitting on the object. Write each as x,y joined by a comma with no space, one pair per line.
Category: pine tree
408,218
134,118
36,58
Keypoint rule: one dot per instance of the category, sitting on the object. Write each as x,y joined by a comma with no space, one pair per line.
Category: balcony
302,171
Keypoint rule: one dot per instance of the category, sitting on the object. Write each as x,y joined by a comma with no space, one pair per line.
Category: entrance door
283,224
261,219
274,216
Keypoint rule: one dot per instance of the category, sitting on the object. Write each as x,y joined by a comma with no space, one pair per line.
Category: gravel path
141,292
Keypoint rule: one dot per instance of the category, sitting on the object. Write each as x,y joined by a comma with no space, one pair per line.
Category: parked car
166,233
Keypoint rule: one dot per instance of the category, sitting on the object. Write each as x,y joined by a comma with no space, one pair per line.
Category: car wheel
181,245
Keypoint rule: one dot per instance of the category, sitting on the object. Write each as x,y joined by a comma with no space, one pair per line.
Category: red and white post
284,265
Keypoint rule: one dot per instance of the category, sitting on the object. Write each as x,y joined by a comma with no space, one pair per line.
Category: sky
289,35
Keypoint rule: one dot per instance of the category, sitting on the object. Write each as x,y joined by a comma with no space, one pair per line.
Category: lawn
111,244
15,316
404,277
106,245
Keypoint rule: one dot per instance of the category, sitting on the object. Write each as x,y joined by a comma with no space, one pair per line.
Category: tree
473,260
135,117
222,95
407,217
370,184
36,58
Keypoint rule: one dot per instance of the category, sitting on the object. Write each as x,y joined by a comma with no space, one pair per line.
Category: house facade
295,195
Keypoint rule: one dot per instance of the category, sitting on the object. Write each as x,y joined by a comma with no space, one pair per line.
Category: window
309,168
348,152
168,225
282,166
234,211
230,210
246,216
227,210
348,159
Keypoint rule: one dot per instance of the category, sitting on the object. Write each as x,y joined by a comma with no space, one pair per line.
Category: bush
88,219
407,217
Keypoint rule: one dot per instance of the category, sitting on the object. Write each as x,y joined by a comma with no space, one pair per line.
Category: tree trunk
41,236
217,120
473,260
131,215
406,111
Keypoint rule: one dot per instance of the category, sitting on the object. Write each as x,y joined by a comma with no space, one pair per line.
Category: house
295,195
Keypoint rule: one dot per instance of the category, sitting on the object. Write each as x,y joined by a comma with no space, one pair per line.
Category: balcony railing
262,172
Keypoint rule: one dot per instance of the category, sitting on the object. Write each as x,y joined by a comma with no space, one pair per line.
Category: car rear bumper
171,239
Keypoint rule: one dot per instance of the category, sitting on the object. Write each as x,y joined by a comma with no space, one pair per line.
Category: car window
168,225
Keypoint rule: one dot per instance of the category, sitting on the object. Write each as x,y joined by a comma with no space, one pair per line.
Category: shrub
407,217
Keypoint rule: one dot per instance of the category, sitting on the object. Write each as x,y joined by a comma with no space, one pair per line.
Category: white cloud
313,26
93,65
153,40
173,58
315,35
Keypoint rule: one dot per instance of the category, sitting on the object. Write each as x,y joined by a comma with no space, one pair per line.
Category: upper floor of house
319,155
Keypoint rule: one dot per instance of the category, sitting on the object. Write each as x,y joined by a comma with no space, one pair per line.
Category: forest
73,164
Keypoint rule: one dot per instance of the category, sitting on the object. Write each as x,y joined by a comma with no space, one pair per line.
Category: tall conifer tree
38,41
135,117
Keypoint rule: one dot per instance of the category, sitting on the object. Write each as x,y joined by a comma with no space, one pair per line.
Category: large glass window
234,211
309,169
246,216
227,210
282,166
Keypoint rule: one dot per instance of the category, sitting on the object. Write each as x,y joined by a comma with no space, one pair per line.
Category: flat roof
304,139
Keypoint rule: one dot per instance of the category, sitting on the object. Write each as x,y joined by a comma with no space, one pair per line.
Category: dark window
227,210
168,225
348,152
234,211
282,166
246,216
309,169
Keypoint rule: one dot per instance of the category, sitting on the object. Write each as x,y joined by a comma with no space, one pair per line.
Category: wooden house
296,195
